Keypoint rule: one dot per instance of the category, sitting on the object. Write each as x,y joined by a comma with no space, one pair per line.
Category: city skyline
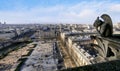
57,11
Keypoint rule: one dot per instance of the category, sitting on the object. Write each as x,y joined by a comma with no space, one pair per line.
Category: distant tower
60,27
119,25
4,22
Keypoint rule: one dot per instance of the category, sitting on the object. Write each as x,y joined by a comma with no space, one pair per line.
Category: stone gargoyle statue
104,26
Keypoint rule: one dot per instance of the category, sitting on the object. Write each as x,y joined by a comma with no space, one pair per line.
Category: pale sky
57,11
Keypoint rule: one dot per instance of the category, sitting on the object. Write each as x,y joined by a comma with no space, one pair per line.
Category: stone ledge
106,66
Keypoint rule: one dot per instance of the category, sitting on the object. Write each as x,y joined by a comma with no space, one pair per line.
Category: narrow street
68,62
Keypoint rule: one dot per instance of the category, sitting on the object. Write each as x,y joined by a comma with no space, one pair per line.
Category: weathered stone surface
105,27
106,66
108,47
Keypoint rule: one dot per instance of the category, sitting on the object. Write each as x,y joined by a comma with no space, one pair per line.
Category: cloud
115,8
83,12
